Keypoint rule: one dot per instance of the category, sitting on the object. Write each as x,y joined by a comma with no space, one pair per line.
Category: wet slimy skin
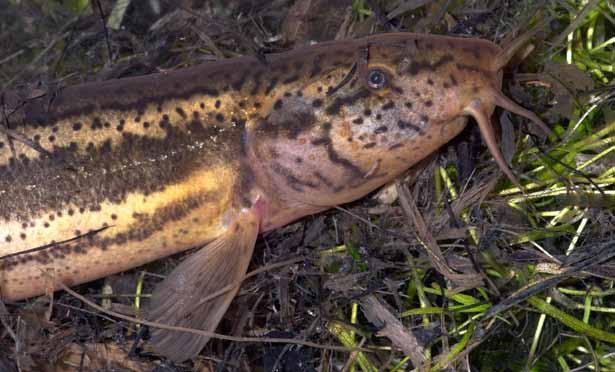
103,177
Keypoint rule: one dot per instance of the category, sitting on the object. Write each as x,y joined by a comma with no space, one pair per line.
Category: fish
103,177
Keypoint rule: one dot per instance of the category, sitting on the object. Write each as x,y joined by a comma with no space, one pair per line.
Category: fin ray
177,300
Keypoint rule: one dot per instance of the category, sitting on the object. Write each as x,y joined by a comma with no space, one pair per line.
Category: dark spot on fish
37,137
316,69
220,117
114,216
257,105
298,160
278,104
299,93
358,121
340,102
321,141
401,124
317,103
181,112
378,117
446,85
237,85
381,129
22,236
8,239
419,66
46,224
466,67
146,124
395,146
272,84
397,89
429,81
408,104
369,145
367,112
71,212
429,103
137,119
389,105
202,105
76,126
218,104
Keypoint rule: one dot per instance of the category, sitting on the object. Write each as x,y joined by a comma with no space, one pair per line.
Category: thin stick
205,333
250,274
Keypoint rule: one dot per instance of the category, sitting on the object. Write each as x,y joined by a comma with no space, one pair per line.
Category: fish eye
376,79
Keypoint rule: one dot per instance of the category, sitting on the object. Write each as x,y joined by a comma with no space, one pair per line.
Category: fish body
103,177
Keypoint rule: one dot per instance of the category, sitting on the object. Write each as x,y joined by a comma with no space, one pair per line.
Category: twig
106,30
393,329
249,275
205,333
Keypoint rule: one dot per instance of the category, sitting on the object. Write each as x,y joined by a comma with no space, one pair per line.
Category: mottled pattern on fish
141,168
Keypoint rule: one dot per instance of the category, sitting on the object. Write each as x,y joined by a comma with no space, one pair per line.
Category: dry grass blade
591,259
393,329
429,242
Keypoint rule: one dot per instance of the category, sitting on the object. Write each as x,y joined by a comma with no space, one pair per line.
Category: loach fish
103,177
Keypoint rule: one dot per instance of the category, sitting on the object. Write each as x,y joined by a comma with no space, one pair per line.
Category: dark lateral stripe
292,180
337,159
322,178
80,100
146,227
50,246
108,173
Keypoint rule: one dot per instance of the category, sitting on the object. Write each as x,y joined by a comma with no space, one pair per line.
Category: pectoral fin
178,300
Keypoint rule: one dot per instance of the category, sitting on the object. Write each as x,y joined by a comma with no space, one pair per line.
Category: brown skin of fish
140,168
